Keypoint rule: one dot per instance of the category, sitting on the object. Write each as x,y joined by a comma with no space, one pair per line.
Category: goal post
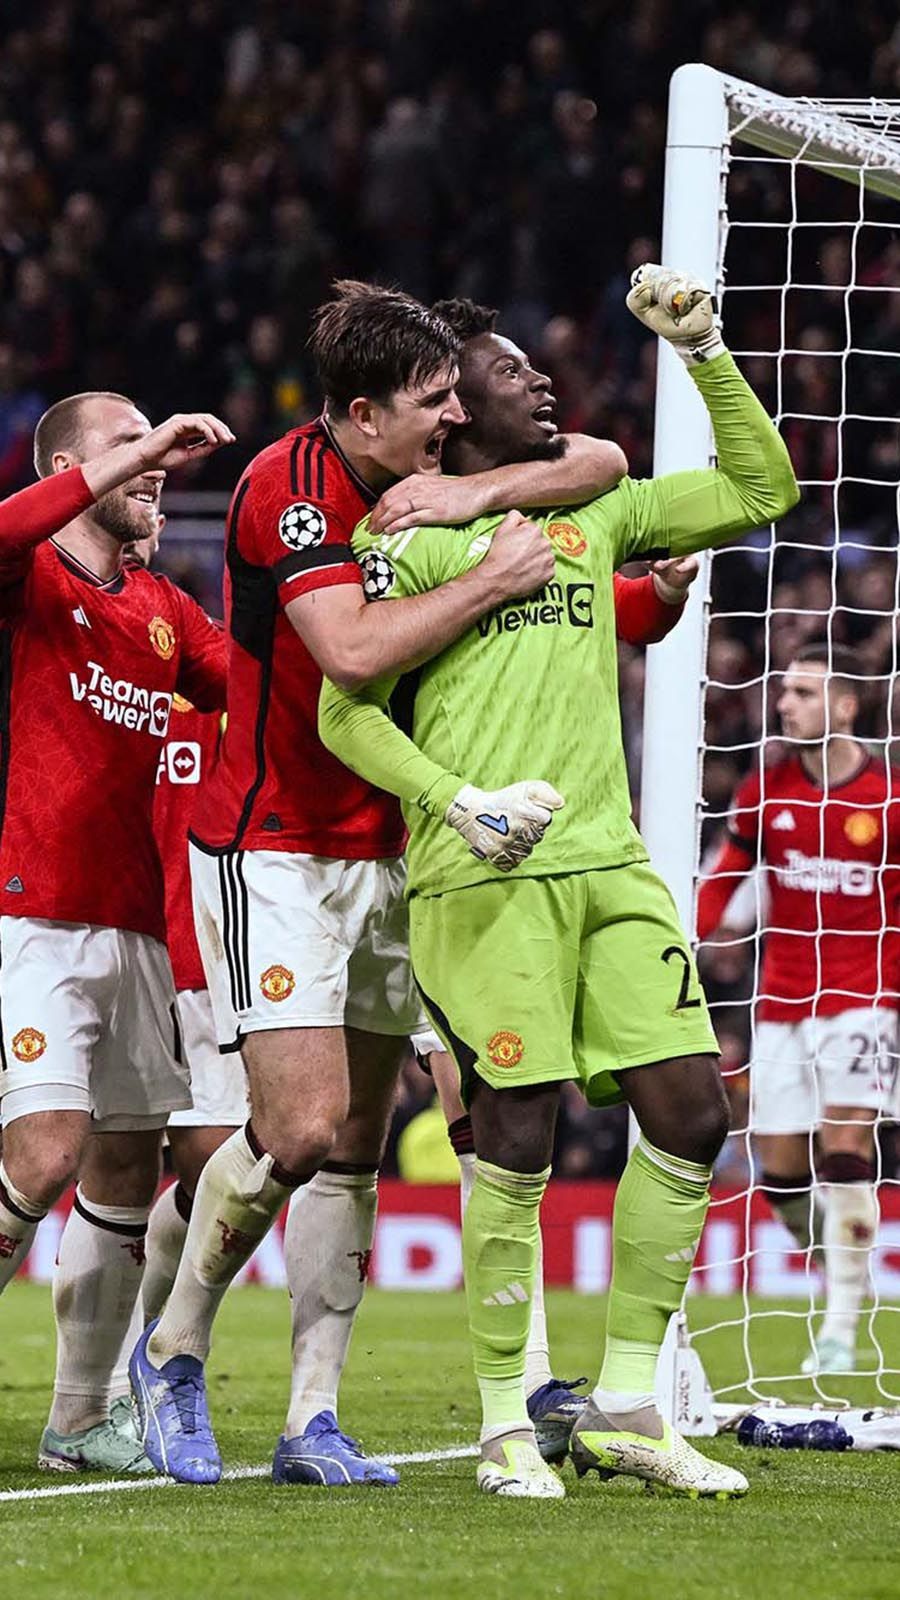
828,173
707,110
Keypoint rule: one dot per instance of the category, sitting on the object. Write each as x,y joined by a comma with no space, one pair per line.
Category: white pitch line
232,1475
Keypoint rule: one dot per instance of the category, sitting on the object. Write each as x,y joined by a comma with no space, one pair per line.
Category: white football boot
829,1355
513,1465
652,1450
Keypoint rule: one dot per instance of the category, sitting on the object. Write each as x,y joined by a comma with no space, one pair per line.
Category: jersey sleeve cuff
437,797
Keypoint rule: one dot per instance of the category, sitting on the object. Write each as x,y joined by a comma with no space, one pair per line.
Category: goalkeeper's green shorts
535,980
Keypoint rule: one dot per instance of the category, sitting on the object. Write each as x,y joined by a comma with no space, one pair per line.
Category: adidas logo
80,616
272,824
15,886
784,820
687,1253
508,1296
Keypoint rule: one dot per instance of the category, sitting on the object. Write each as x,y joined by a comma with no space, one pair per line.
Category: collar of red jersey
111,585
363,487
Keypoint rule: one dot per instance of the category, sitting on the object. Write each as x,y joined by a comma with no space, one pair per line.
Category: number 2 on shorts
682,1003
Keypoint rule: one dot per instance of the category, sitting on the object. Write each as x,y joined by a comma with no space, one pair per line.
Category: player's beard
118,517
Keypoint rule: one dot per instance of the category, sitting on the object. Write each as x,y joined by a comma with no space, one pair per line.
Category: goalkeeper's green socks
501,1239
661,1206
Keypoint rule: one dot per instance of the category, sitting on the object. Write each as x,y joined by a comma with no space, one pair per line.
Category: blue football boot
173,1420
325,1456
554,1409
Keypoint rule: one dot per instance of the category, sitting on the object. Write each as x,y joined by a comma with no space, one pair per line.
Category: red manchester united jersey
186,759
89,670
832,866
275,787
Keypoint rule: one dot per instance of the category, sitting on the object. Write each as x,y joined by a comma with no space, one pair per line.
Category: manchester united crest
567,539
277,983
28,1044
162,637
505,1049
861,827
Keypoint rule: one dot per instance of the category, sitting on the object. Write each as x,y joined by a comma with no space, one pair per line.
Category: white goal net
793,209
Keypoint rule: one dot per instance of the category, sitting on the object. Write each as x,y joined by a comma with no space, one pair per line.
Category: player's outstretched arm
586,469
355,643
754,482
500,826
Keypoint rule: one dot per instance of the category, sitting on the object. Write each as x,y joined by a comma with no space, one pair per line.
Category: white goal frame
707,111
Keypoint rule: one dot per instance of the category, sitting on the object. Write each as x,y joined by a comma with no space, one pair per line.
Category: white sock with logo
120,1381
239,1195
851,1226
327,1245
95,1286
19,1218
166,1233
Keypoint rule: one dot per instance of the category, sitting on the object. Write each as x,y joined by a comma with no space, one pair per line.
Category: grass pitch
813,1524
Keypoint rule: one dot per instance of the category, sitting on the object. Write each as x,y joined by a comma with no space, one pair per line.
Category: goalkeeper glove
504,826
678,308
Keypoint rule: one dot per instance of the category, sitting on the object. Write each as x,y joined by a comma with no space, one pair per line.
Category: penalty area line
61,1491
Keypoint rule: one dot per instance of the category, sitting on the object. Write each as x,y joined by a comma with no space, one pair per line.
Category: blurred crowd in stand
179,183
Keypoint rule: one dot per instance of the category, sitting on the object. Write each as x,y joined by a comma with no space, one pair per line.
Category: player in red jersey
823,825
218,1088
93,653
297,881
217,1085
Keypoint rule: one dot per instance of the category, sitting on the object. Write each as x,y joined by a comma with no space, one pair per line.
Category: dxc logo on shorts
552,606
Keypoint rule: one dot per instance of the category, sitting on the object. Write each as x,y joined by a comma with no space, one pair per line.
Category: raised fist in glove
504,826
678,308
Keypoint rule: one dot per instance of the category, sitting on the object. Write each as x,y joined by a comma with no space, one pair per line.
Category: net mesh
810,296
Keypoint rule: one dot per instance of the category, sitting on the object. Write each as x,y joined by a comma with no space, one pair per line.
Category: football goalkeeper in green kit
566,960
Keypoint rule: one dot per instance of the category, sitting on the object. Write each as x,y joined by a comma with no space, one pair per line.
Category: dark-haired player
823,825
512,416
573,967
297,880
93,653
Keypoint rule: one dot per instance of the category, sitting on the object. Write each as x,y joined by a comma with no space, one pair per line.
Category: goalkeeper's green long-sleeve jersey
531,691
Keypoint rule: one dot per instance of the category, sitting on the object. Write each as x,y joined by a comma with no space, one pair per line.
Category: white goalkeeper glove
678,308
504,826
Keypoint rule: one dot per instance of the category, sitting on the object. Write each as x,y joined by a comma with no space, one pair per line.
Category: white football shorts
300,941
426,1041
799,1068
218,1083
88,1023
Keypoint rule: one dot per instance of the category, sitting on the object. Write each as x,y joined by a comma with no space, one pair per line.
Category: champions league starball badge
301,526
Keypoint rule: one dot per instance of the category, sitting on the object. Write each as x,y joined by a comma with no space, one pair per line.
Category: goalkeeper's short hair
466,318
